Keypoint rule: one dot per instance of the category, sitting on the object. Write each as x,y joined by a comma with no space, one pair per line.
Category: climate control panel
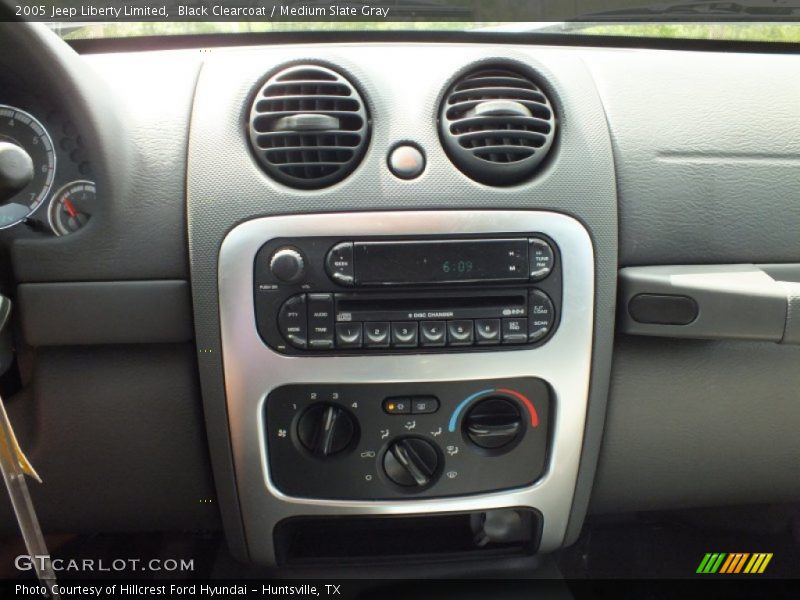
402,440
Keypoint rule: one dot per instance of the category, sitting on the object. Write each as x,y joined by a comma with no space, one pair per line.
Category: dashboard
419,286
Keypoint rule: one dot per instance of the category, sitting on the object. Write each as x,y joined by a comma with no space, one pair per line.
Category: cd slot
510,304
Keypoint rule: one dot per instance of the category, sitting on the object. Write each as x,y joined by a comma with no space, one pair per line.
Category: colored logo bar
734,563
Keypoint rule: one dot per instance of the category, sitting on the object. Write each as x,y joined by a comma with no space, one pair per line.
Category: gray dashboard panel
699,423
707,148
116,432
402,85
105,312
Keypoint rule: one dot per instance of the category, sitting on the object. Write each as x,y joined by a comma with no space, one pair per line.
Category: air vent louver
308,127
496,125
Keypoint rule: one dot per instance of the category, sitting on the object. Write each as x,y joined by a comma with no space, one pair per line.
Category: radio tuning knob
411,462
287,265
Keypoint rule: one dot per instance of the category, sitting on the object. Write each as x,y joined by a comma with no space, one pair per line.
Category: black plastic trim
204,41
108,312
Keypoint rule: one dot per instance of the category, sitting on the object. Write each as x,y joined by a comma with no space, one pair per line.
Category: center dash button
515,331
320,321
459,333
376,335
397,406
404,334
292,320
431,333
487,331
339,263
424,405
348,335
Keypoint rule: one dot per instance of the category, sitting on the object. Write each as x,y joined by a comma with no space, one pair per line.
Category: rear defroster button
541,315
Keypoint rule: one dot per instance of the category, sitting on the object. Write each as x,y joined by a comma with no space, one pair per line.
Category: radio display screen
440,261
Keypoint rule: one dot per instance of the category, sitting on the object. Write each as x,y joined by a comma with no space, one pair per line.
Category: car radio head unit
379,295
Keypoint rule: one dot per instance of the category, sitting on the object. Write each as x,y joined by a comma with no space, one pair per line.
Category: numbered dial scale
432,439
24,130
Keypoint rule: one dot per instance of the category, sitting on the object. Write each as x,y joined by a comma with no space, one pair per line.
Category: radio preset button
541,258
459,333
320,321
348,335
339,264
292,321
404,334
541,315
487,331
515,331
431,333
376,335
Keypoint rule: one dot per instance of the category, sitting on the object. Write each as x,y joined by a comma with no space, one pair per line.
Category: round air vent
497,125
308,127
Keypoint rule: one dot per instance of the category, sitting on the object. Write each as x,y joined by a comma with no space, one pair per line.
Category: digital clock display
408,262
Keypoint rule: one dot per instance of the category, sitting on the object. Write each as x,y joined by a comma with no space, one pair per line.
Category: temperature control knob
326,429
494,423
411,462
287,265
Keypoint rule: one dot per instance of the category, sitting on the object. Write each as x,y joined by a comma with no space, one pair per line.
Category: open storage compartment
419,538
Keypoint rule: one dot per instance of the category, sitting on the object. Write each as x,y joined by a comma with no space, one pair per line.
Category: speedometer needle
70,208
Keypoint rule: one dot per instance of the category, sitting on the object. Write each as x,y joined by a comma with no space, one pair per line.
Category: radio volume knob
287,265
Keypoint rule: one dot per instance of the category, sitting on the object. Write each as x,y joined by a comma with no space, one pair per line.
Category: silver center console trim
252,369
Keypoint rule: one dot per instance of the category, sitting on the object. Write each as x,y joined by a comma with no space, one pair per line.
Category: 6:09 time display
457,266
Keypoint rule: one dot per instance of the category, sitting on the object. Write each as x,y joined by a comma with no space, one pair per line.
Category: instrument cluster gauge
23,129
71,207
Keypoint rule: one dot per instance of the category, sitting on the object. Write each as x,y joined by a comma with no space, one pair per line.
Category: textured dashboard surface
707,148
699,423
402,85
135,461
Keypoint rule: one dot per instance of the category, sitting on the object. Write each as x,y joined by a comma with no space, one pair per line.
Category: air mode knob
326,429
494,423
411,462
287,265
